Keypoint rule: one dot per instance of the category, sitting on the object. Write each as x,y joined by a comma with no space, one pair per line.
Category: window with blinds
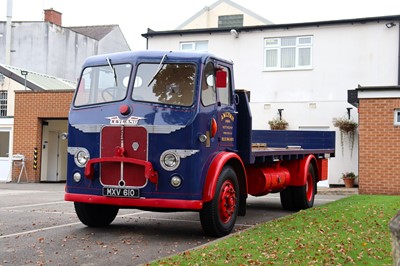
3,103
288,53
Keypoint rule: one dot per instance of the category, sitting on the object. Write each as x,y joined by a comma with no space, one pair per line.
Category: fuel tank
266,179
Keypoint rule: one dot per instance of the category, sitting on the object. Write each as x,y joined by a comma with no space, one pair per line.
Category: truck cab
144,128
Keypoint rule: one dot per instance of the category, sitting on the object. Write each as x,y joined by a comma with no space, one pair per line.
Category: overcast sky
134,17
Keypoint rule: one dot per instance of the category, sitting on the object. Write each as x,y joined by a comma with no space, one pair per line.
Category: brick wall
379,147
30,109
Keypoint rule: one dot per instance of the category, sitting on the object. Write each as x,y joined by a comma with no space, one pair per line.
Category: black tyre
300,198
287,199
95,215
218,216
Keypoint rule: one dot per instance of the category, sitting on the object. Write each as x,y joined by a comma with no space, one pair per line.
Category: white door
56,154
5,154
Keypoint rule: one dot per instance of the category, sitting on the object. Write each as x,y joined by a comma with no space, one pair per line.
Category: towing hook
119,151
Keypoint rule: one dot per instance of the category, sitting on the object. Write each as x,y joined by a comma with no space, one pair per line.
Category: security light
234,33
390,25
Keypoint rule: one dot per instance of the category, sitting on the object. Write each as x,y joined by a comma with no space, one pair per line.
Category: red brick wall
30,109
379,147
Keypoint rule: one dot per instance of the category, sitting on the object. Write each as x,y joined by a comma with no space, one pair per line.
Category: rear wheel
95,215
300,198
218,216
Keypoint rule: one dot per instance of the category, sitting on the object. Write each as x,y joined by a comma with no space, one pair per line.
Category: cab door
217,107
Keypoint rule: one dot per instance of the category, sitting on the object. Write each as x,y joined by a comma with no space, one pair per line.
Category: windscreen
166,84
101,84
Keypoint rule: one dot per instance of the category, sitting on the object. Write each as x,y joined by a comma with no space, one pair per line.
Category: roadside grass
353,230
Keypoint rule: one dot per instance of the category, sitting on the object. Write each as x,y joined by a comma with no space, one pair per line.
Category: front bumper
156,203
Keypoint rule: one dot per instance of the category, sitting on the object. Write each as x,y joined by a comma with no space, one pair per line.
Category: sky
134,17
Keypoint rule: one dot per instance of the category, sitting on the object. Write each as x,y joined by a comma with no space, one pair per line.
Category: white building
305,69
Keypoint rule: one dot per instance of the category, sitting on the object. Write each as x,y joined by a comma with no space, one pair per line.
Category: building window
397,117
3,103
288,53
4,143
230,21
199,46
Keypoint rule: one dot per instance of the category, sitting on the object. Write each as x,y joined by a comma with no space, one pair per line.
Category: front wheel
300,198
218,216
95,215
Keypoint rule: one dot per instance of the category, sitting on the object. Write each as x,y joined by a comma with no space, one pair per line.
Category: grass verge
352,230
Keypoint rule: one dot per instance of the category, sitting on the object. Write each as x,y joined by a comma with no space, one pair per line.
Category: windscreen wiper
158,69
113,71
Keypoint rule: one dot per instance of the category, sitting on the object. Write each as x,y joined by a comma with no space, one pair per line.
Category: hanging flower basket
347,128
278,124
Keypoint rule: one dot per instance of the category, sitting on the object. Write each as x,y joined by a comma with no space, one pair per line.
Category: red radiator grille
133,140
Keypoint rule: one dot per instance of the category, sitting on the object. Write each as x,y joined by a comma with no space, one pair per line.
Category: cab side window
208,92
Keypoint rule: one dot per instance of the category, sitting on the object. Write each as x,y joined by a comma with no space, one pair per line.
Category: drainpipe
8,32
147,39
398,68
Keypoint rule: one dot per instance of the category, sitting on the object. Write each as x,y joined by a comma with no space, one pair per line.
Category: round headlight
169,160
81,157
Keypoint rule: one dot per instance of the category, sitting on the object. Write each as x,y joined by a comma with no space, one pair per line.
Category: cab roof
151,56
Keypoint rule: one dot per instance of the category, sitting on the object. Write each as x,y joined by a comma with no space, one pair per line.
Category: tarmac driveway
37,227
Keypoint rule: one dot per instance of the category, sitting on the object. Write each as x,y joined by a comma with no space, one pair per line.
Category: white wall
57,51
343,57
114,39
11,86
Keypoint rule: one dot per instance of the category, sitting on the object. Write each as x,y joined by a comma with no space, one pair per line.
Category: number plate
121,192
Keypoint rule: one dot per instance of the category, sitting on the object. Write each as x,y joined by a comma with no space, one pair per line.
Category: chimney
52,16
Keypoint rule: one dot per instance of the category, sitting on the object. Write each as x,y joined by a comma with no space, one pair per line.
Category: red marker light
213,127
124,109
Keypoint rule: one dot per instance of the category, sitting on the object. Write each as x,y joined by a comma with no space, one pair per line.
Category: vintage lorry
167,131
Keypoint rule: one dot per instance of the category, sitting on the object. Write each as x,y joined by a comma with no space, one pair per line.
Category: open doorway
54,151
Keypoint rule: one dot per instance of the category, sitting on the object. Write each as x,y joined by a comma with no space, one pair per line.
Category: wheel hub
227,201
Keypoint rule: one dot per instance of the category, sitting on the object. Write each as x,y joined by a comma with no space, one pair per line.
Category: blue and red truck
167,131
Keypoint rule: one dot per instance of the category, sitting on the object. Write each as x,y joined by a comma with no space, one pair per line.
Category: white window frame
195,46
396,120
3,103
274,44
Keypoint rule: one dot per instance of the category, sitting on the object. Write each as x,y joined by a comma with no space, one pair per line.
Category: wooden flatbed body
278,145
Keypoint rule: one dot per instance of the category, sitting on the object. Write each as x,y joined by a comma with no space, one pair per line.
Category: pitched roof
94,32
36,81
207,8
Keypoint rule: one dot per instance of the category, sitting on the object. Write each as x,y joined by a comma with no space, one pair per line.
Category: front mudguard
214,170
